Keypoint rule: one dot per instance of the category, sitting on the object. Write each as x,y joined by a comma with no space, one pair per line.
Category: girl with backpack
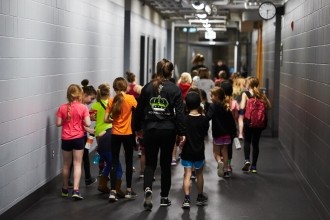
252,132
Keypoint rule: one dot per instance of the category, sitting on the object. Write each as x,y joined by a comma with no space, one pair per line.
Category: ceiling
219,13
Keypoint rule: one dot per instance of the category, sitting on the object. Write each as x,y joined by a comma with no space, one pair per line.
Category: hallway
273,193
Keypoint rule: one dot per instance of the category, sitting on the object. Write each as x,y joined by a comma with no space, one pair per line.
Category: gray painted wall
304,103
45,45
304,92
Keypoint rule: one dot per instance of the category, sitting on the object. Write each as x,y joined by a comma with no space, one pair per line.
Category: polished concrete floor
274,193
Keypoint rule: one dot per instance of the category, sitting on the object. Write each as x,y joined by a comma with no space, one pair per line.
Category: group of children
113,128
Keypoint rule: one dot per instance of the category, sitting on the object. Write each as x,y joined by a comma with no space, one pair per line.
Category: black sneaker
186,204
147,204
201,200
90,181
246,166
165,202
226,174
76,195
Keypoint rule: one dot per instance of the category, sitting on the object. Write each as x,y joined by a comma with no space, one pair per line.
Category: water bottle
89,142
96,158
237,144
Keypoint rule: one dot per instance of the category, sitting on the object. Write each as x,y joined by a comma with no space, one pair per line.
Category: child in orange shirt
119,113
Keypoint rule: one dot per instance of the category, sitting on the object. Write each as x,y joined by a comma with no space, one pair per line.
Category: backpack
255,113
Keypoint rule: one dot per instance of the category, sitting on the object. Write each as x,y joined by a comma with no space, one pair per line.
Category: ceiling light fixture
201,16
217,21
198,6
208,9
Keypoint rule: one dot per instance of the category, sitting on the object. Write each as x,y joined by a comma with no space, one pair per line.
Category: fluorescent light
218,21
198,6
208,9
201,16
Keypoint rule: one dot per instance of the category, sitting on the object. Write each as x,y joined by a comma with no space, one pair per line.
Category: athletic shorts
189,164
73,144
222,140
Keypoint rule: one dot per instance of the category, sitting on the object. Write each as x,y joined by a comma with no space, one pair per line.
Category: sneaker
147,204
139,153
130,195
246,166
220,168
226,174
186,204
76,195
164,201
201,200
141,175
230,169
253,169
173,163
133,169
65,193
112,196
90,181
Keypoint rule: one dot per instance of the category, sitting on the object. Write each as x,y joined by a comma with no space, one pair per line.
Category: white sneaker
147,199
220,169
112,196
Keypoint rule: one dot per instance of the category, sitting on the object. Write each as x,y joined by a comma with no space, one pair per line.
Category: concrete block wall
147,23
45,45
304,125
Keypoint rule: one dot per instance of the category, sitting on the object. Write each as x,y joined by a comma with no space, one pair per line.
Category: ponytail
116,105
164,72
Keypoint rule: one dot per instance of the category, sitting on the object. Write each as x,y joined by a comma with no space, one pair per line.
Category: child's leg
240,126
200,180
216,153
186,181
224,153
173,163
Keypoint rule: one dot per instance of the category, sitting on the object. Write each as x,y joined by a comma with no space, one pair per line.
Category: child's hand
182,141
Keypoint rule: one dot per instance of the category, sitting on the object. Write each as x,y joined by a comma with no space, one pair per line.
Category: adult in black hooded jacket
160,115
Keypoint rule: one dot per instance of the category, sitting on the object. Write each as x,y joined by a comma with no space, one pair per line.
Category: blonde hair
185,78
74,93
238,86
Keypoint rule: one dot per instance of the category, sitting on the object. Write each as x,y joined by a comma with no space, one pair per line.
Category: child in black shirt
193,150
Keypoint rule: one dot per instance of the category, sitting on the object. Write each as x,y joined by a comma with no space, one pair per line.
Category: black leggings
251,135
116,141
155,140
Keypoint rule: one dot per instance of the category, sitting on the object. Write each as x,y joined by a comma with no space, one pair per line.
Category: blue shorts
189,164
222,140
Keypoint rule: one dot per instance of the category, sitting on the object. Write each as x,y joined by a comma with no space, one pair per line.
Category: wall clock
267,10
